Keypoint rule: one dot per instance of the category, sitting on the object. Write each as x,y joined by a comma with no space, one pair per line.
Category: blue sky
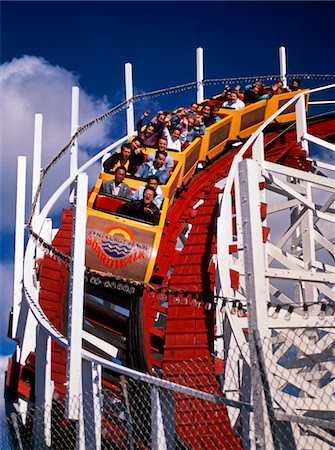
95,39
48,46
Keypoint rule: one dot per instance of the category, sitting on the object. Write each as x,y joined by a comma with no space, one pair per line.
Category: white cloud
31,85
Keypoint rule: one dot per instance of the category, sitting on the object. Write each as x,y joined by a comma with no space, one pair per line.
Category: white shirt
234,105
177,144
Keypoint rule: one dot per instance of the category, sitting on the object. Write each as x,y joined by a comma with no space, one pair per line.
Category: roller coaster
200,290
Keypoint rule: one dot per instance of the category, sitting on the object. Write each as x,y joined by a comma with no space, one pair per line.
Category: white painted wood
99,343
92,404
301,122
74,128
37,161
282,65
19,239
319,181
43,390
300,275
128,70
76,299
319,141
256,289
200,74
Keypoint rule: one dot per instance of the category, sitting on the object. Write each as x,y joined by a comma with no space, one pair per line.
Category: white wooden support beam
37,162
23,324
257,297
258,149
76,299
43,390
301,122
19,240
92,406
128,70
254,263
282,65
321,142
74,128
308,247
200,74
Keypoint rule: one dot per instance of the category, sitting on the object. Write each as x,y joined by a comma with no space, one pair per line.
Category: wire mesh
279,395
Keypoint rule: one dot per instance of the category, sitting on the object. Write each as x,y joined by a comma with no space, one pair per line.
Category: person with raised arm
192,131
234,102
175,138
144,209
150,135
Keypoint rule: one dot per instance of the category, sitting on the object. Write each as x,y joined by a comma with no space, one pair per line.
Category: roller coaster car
127,247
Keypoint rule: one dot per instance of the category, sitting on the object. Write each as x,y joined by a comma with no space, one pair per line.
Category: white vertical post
128,71
308,247
256,288
19,239
301,122
74,128
91,380
282,65
37,161
76,295
200,74
43,390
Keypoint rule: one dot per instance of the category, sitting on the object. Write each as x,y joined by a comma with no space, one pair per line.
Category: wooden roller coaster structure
178,299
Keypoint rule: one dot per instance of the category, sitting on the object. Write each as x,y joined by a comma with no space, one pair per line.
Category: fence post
200,74
76,299
162,420
43,390
91,380
129,95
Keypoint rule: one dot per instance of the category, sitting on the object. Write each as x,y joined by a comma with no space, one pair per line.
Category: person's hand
147,210
146,113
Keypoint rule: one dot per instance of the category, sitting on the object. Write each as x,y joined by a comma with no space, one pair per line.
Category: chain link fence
274,393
